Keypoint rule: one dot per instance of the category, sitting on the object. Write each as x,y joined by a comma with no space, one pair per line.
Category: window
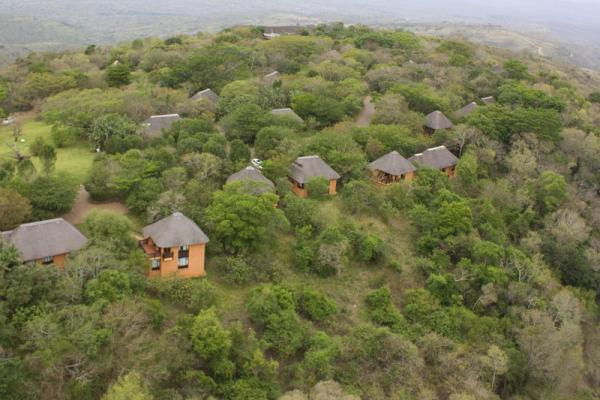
184,252
183,262
167,254
155,263
47,260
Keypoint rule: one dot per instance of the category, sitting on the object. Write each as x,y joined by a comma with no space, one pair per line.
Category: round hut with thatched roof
392,168
436,121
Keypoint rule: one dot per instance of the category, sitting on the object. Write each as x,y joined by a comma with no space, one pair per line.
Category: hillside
422,220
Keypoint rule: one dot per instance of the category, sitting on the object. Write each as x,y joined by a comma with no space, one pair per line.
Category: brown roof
308,167
156,123
175,230
392,163
271,77
255,176
47,238
206,94
488,100
437,120
437,157
466,110
286,112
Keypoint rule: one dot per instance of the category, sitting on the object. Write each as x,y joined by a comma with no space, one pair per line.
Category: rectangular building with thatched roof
175,245
438,158
45,242
154,126
286,113
392,168
305,168
206,94
271,78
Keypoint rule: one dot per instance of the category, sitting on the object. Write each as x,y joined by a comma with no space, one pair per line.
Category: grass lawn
76,161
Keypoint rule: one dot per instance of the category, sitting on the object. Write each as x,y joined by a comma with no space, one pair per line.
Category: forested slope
483,286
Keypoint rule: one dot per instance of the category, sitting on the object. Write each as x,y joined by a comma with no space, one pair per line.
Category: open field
75,161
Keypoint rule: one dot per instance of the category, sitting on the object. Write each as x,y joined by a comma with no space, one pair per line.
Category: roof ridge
164,115
42,222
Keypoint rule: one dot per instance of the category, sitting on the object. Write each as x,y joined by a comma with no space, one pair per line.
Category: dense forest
480,286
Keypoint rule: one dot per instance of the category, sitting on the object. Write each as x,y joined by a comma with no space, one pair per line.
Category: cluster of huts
176,244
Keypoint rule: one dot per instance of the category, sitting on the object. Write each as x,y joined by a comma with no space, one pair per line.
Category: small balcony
150,250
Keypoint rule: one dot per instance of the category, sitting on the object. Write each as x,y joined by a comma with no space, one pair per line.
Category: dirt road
83,206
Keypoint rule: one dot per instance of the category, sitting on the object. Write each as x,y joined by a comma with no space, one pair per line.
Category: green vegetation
482,286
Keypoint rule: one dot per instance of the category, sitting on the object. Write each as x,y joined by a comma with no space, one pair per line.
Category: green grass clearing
75,161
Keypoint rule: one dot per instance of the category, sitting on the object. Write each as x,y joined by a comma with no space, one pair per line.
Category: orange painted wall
450,171
59,260
332,187
304,192
170,267
300,192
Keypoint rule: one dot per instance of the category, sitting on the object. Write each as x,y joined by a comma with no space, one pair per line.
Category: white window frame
48,260
155,264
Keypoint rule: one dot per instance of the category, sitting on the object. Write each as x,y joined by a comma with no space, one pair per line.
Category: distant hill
38,25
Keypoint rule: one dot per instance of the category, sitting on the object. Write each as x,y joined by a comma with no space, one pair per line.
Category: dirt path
83,206
366,114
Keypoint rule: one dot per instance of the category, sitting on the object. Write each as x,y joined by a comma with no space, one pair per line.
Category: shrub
318,187
194,294
35,147
382,310
267,300
238,270
315,305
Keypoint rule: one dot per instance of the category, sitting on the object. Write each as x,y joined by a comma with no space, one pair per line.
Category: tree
129,387
466,171
317,187
325,110
118,75
243,221
47,157
50,196
501,122
110,126
550,192
210,340
239,152
244,122
110,285
109,230
515,69
14,209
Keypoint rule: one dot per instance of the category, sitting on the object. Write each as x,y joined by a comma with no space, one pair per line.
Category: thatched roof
174,231
392,163
47,238
437,120
437,157
271,77
286,112
466,110
207,94
308,167
488,100
156,123
255,176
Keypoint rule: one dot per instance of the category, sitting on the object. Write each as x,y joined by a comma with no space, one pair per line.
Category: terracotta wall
303,192
450,171
332,187
59,260
170,266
